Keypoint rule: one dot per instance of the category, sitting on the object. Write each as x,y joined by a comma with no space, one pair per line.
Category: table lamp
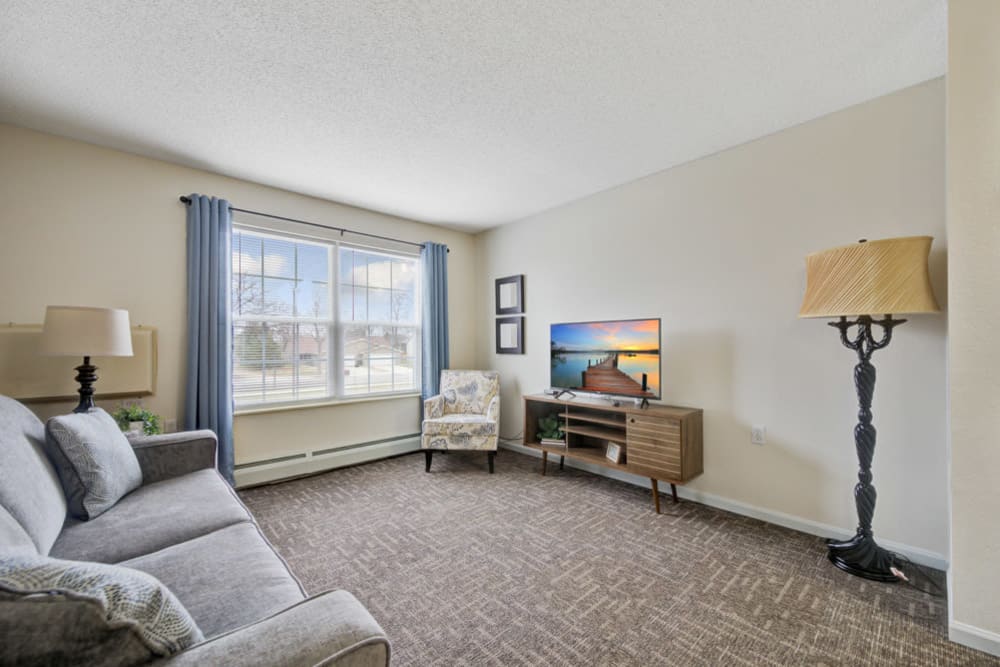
78,331
862,280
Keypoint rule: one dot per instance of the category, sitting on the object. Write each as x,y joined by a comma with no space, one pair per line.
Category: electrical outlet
170,426
758,434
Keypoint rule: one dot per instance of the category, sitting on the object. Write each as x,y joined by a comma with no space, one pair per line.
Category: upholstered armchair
465,415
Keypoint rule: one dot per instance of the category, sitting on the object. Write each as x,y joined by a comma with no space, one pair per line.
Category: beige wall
973,356
716,249
88,225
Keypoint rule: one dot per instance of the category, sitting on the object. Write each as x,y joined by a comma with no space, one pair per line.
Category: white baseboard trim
916,554
973,637
310,463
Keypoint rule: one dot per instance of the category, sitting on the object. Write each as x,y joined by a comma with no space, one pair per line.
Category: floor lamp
860,281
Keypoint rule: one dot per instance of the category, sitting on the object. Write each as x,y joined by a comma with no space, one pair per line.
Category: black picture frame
518,283
518,347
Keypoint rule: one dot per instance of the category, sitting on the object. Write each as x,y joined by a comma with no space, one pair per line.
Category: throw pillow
67,612
94,460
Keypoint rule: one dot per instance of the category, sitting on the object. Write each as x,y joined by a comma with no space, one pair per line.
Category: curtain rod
342,230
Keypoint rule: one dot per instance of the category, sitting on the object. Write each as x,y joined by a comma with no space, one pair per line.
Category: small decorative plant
549,427
127,414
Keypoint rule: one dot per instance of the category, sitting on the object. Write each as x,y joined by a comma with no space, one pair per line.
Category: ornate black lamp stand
86,375
860,555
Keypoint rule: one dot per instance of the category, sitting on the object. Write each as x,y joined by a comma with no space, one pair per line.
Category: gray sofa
186,527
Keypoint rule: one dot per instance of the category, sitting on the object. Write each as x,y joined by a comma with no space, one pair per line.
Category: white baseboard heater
319,460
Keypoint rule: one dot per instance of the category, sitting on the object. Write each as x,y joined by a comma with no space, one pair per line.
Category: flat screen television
620,357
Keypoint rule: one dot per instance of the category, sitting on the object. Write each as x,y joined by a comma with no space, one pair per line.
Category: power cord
933,589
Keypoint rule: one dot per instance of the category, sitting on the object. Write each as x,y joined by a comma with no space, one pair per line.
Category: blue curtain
434,264
208,400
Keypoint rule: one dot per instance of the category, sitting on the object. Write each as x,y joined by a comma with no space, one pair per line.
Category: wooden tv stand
659,442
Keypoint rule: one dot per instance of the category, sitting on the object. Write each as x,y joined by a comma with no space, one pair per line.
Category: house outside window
318,320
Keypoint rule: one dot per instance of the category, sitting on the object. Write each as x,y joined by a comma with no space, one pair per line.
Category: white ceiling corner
463,114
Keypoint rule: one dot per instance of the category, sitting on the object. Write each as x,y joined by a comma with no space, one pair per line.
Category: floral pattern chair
465,415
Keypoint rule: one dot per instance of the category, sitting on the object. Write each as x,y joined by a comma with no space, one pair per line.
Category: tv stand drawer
653,423
653,446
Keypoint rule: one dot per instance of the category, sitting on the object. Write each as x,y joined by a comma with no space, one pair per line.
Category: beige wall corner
716,248
88,225
973,195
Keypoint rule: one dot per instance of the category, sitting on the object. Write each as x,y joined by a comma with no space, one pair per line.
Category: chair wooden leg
427,459
562,459
545,459
673,491
656,494
490,456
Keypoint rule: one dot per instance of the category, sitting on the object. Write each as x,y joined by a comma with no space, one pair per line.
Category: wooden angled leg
656,494
427,459
545,459
673,491
490,456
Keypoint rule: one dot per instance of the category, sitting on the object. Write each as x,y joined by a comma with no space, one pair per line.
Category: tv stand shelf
619,423
659,442
611,435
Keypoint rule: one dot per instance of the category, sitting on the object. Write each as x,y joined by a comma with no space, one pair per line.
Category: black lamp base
862,557
86,375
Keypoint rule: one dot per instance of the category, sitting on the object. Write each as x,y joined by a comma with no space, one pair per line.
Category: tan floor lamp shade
79,331
870,278
883,277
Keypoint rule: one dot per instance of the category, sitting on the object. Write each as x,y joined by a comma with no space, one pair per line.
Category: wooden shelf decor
32,378
659,442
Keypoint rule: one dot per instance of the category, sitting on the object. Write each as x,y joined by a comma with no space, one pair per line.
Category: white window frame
335,325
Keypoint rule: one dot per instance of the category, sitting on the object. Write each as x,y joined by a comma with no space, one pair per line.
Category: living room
671,162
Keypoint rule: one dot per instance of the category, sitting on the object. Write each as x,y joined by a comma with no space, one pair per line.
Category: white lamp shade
78,331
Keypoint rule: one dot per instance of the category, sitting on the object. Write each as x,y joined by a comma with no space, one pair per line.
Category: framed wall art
510,335
510,295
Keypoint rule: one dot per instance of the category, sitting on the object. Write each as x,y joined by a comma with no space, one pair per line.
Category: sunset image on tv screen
615,357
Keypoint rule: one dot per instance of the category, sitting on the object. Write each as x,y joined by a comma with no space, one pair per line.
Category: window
315,320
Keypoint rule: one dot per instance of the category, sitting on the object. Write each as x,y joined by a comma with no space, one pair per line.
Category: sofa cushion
65,612
225,579
152,517
96,465
471,425
13,539
29,488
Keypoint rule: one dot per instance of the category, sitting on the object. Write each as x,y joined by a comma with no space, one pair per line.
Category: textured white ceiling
468,114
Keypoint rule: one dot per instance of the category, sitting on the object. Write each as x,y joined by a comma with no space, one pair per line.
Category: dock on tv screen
616,357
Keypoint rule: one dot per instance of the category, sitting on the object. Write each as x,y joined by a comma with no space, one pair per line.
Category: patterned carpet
464,568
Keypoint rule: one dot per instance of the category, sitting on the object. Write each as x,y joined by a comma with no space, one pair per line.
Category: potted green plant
550,428
131,416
